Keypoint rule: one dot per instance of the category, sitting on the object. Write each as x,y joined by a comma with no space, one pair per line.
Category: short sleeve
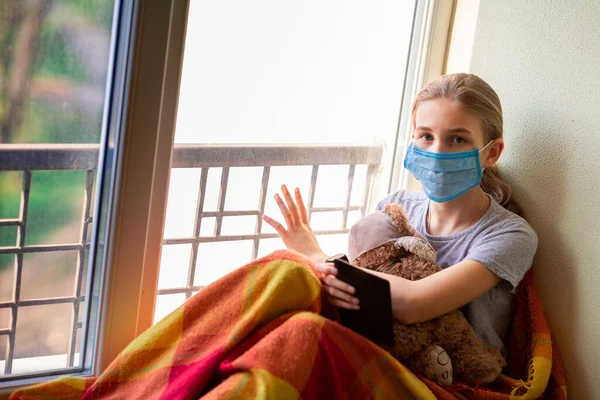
507,250
398,197
390,198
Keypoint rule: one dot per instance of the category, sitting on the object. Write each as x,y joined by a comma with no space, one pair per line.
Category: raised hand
299,237
296,235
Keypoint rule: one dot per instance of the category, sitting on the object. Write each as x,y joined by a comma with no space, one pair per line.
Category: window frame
138,221
147,76
427,60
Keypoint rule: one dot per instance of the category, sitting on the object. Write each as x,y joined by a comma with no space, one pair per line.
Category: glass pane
306,94
55,58
236,226
3,345
43,334
4,318
174,266
166,304
208,225
66,191
216,260
10,183
243,189
182,209
7,272
48,275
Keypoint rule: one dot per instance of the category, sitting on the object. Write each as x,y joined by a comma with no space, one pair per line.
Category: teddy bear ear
417,246
396,211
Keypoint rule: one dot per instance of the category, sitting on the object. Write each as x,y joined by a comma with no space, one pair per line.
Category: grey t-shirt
501,240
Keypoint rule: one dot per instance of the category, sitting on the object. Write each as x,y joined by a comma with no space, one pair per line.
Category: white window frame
427,61
147,113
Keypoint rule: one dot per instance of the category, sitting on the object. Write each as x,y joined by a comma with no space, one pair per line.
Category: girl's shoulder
503,229
500,217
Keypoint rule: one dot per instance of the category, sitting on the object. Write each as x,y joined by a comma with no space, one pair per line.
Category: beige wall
543,58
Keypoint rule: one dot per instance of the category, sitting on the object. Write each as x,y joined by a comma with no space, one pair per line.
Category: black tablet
374,320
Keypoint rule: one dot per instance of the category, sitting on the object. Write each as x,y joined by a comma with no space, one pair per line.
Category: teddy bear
445,348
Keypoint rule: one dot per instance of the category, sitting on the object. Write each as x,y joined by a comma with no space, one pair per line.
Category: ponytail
493,184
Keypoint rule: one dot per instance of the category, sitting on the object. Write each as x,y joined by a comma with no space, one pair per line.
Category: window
55,60
308,94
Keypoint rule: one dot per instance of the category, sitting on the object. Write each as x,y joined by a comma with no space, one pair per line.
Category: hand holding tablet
374,320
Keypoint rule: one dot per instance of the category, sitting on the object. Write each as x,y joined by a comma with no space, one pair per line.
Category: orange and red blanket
258,333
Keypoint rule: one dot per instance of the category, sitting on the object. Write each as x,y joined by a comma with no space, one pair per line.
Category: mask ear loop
482,149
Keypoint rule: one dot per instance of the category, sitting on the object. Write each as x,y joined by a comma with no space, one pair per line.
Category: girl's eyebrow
459,130
453,130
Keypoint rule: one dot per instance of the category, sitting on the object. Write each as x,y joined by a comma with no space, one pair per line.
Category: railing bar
212,239
161,292
5,331
351,170
330,209
311,190
10,222
42,248
23,213
19,157
10,349
200,201
85,156
206,214
47,301
264,185
80,267
198,156
21,231
368,185
73,338
197,226
222,196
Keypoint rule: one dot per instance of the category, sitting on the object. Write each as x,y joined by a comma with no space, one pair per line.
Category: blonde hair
473,93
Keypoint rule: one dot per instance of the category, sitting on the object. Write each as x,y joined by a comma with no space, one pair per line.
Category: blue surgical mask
444,176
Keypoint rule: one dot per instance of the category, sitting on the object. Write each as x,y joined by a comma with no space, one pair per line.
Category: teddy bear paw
441,365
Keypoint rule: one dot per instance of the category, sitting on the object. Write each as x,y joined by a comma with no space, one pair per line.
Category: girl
466,212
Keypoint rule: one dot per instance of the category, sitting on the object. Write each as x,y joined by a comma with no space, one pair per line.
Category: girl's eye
426,136
458,140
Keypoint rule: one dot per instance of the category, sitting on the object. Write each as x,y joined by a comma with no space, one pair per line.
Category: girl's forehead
443,113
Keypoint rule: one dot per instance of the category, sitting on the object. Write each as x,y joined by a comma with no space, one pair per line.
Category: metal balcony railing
28,158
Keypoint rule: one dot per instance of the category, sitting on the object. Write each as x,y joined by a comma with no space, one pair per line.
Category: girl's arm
440,293
412,301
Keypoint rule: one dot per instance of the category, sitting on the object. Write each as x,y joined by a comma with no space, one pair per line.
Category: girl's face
443,127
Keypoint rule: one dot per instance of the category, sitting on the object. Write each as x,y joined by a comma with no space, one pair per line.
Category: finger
284,211
276,225
291,204
331,280
343,304
301,207
341,295
327,268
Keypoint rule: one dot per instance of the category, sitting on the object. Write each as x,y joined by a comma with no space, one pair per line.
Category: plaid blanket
258,333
